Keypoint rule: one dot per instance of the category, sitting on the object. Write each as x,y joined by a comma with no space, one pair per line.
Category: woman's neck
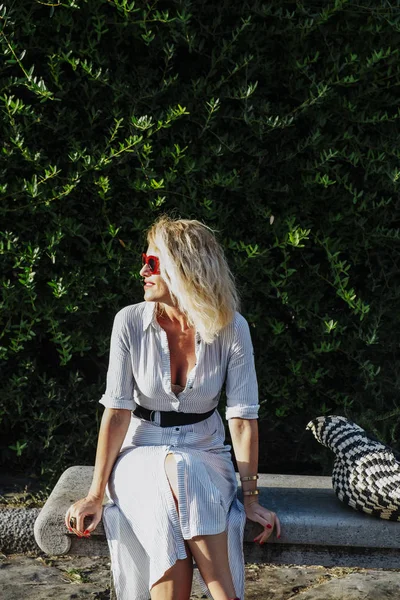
173,316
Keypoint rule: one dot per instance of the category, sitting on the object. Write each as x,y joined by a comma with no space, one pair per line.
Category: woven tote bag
366,473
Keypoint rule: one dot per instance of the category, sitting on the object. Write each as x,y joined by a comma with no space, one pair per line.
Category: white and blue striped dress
145,532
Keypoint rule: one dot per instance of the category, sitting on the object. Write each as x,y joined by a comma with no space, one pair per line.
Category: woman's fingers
95,521
263,536
96,518
259,537
73,513
264,522
269,523
68,516
78,512
80,526
266,534
265,517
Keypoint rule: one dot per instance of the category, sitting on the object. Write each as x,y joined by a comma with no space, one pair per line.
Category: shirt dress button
176,428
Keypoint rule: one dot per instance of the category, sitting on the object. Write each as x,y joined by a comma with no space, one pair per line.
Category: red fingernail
86,531
269,526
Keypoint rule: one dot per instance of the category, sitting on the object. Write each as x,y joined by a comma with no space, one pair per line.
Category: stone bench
317,529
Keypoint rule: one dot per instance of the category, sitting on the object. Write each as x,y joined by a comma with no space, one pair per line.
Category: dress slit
145,530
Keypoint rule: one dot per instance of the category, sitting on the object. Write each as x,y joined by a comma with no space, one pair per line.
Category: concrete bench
317,529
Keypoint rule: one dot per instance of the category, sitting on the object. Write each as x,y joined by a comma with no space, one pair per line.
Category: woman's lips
148,284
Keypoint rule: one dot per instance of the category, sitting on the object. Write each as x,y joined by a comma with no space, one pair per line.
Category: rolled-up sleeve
120,383
241,379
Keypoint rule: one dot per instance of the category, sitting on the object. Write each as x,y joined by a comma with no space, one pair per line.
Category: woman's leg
209,551
211,555
176,583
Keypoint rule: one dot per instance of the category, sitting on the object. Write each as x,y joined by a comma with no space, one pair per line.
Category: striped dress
144,530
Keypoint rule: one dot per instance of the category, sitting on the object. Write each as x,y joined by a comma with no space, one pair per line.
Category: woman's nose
145,270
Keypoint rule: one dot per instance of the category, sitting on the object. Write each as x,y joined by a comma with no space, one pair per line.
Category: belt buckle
152,417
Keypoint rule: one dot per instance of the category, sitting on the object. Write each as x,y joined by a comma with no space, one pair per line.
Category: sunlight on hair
194,267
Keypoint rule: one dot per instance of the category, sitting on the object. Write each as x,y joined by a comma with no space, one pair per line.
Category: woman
161,456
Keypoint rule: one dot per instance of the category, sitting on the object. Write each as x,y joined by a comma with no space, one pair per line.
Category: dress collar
149,315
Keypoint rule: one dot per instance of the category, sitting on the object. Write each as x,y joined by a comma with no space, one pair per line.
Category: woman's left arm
244,434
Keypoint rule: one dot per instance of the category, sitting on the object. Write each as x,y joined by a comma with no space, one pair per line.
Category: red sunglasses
152,262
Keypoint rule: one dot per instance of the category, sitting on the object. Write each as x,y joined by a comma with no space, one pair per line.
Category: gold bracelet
249,478
251,493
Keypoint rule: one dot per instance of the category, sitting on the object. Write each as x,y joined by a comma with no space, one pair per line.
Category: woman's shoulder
237,327
132,314
239,322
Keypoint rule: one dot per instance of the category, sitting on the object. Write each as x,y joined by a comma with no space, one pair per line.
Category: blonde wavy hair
194,267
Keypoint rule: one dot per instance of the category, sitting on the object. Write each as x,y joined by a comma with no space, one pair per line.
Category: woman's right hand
90,506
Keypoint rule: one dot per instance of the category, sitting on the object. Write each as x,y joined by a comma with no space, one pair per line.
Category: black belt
170,418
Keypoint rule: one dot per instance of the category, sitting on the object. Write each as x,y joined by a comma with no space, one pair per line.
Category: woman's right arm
113,428
119,403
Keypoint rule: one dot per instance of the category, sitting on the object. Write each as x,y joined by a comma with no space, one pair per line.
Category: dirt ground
32,577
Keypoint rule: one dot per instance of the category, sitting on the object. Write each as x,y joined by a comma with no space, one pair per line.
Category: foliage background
275,123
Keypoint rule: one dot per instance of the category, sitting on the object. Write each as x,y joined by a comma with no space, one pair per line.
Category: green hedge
275,123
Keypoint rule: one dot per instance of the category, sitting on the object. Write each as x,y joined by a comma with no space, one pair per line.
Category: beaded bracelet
249,478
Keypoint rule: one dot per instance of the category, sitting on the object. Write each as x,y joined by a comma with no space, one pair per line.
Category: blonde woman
161,456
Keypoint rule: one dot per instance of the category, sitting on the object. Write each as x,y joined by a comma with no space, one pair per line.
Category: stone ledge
16,530
316,527
311,514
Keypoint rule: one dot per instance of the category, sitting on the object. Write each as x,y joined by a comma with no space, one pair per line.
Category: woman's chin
150,296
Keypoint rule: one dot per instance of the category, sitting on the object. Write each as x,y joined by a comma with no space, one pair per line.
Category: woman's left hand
268,519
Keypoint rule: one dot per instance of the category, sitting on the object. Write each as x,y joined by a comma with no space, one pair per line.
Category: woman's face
155,288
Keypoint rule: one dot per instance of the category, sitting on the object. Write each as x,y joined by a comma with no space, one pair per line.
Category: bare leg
211,555
176,583
209,551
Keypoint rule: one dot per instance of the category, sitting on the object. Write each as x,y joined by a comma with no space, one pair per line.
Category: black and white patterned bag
366,473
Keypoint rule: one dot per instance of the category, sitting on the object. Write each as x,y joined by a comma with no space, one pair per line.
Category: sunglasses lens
151,262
